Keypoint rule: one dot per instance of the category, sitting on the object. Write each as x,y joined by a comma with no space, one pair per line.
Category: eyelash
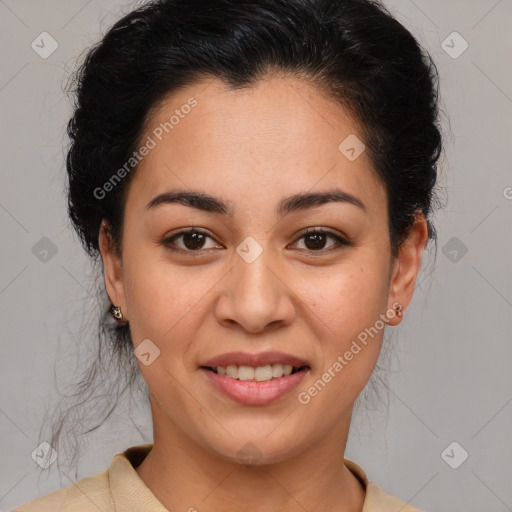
339,241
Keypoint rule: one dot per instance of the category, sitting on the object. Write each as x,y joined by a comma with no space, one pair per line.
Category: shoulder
88,494
379,501
376,500
117,488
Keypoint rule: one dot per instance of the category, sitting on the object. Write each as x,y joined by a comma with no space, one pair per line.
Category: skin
251,148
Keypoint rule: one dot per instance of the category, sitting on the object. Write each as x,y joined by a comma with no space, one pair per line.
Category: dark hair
354,51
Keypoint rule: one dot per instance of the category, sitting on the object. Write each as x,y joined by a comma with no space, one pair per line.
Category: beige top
120,489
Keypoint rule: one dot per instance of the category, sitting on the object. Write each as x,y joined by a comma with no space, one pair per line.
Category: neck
184,475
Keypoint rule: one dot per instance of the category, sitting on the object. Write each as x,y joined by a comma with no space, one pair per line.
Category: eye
315,239
193,240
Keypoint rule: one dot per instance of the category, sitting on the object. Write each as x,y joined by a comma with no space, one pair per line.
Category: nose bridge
252,273
255,297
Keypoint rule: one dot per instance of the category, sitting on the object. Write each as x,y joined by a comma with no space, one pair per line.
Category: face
239,273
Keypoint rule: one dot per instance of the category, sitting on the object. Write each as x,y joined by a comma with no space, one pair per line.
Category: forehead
279,135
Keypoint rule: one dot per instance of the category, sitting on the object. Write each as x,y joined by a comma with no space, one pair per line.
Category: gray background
450,378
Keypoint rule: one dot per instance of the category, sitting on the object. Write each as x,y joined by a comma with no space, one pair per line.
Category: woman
257,177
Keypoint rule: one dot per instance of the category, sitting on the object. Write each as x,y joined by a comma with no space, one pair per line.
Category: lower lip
253,392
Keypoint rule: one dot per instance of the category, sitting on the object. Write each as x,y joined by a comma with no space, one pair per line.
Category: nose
256,296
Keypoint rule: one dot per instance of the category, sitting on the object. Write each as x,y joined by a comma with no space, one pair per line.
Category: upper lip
248,359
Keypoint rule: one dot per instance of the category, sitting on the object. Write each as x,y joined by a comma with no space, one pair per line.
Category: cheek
166,304
347,306
349,341
348,298
158,296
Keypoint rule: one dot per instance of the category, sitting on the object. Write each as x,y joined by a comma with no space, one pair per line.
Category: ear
113,269
406,267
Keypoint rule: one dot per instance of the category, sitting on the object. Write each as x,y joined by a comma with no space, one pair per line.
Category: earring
399,311
116,312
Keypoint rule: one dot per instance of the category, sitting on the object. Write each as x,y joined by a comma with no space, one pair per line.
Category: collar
128,490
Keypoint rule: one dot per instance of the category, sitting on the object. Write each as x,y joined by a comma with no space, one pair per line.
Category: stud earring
116,312
399,311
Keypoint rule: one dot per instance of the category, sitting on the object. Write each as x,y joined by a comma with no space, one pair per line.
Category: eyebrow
296,202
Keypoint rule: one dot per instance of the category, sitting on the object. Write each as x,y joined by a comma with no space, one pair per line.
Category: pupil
193,240
318,240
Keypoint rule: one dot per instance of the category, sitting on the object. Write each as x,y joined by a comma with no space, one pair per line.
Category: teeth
277,370
259,374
